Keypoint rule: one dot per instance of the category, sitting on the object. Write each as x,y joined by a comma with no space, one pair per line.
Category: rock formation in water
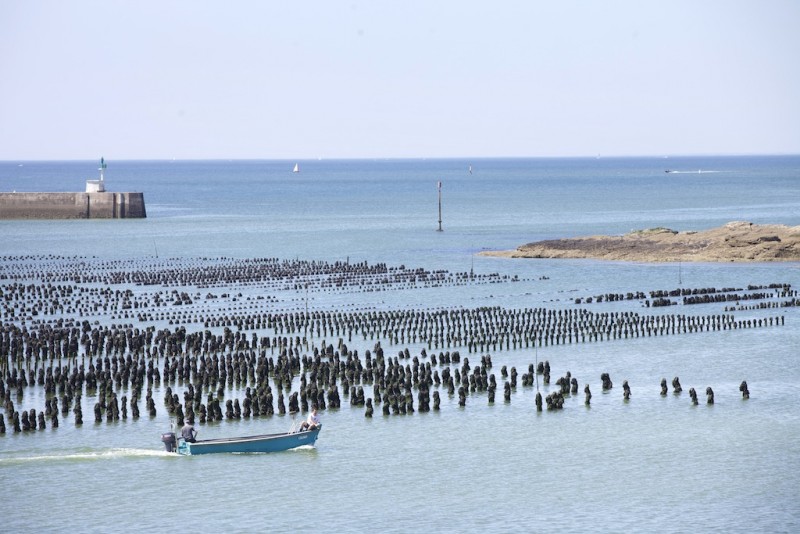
735,241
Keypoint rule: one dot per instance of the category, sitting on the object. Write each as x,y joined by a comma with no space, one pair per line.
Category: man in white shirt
312,422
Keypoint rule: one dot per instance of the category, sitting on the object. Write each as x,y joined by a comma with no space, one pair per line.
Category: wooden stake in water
440,207
472,267
306,317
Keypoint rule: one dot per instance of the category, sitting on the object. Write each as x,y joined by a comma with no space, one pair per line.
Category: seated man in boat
312,422
188,433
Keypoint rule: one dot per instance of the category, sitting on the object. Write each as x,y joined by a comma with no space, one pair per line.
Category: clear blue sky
357,79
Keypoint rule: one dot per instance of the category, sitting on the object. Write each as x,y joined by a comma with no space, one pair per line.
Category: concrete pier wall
106,205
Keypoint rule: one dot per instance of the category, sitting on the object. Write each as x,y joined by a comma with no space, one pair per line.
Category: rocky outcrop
734,242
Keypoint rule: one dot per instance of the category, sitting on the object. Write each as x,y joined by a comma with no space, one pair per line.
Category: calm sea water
653,463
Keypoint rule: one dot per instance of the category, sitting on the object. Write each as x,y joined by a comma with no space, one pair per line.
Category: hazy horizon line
421,158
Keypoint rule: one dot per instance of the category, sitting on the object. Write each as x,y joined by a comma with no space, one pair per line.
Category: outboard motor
169,441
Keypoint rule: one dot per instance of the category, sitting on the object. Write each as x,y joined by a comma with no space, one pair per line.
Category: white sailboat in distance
296,167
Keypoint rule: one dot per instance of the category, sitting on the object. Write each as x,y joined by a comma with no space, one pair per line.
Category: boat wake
87,456
304,448
698,171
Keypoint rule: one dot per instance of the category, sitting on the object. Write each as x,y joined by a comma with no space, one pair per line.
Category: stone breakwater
733,242
101,205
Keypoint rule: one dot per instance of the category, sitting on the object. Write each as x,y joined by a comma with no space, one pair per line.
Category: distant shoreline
733,242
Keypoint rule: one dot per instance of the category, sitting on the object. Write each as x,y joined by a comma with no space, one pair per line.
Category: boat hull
250,444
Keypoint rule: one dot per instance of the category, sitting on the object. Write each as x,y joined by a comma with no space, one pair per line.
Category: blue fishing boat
247,444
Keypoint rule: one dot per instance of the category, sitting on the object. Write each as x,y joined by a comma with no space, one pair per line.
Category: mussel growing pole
440,206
